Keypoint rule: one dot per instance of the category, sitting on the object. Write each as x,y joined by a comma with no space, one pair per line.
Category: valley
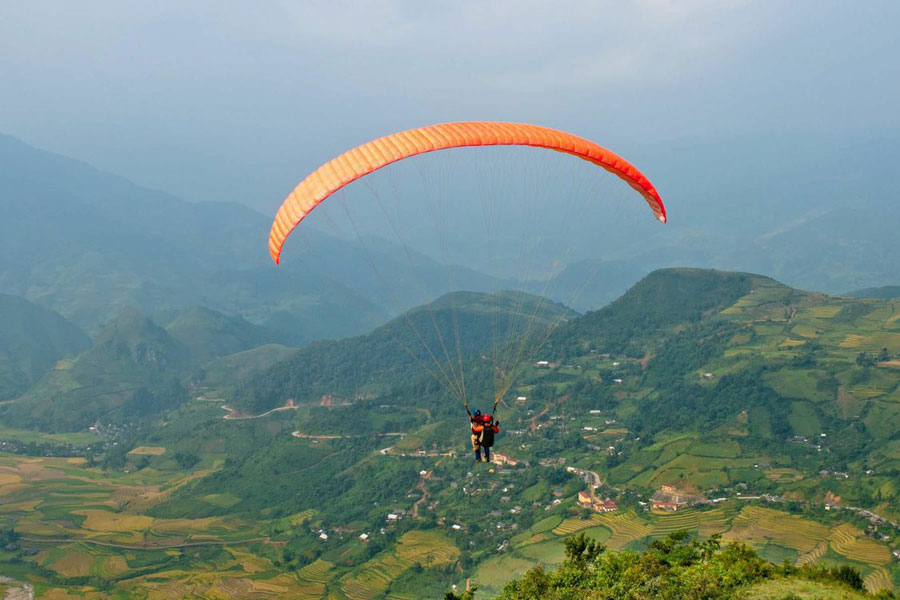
774,405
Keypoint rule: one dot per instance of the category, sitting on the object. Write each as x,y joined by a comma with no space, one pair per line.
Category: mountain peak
133,336
664,298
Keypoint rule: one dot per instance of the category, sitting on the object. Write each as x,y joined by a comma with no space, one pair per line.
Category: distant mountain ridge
137,368
86,243
888,291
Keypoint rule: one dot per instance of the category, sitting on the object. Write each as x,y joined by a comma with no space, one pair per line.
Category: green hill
662,300
208,334
731,372
32,340
135,368
456,326
225,372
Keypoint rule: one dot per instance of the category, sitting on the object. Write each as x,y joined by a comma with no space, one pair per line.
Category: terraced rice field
249,562
546,524
239,587
716,520
625,528
813,555
301,517
755,524
570,526
549,553
73,564
9,478
849,541
103,520
866,392
314,577
495,572
824,312
427,548
536,539
665,523
148,451
784,475
873,342
792,343
807,331
877,580
317,572
853,340
373,579
284,586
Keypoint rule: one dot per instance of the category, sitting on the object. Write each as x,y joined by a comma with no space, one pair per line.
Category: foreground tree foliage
677,567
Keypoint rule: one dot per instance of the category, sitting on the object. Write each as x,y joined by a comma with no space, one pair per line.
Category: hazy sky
237,101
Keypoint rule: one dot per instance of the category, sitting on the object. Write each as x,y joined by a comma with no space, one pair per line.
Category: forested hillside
633,323
432,338
133,369
32,340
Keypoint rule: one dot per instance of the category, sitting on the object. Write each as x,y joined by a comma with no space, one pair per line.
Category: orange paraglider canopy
376,154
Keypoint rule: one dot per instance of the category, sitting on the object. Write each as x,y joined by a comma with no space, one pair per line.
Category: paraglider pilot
483,430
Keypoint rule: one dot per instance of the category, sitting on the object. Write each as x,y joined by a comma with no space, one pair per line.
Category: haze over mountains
727,380
86,243
816,212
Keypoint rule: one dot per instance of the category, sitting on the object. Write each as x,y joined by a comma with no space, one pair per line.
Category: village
500,482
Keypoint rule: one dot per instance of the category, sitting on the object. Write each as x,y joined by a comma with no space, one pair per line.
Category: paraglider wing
376,154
